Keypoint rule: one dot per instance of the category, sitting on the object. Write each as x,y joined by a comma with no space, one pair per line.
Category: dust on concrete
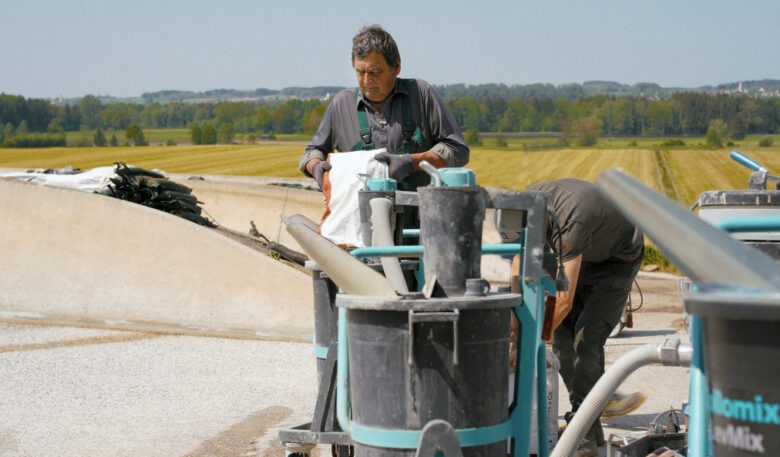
245,438
119,338
660,292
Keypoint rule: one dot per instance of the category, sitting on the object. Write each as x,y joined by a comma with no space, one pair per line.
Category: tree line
681,114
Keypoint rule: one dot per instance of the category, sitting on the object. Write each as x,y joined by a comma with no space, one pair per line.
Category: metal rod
704,253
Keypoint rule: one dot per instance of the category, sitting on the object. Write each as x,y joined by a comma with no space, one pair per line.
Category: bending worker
601,254
405,116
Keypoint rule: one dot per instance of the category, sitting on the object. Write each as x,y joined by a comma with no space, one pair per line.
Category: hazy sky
51,48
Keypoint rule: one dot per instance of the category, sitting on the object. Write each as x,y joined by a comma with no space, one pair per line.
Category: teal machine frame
699,435
716,263
535,286
528,210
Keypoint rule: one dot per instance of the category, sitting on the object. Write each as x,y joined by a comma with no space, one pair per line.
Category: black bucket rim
734,305
420,303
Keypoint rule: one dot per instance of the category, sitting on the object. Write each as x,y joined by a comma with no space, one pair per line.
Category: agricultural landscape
681,173
675,141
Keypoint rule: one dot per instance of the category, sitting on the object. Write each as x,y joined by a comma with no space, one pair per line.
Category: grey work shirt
590,224
339,129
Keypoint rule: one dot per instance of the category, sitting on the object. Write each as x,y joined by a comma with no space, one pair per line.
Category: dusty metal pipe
350,274
704,253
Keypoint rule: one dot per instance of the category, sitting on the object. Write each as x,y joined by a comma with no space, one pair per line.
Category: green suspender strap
365,131
412,132
412,136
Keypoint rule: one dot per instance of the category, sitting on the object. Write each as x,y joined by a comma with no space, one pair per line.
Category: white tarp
93,180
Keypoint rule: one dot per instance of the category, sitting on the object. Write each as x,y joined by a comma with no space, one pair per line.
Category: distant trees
587,130
716,131
284,119
576,115
91,109
195,135
135,136
312,119
472,137
225,133
205,134
34,140
36,113
99,138
712,139
208,134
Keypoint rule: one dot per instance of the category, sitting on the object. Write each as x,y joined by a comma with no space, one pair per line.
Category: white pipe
381,235
432,171
350,274
671,352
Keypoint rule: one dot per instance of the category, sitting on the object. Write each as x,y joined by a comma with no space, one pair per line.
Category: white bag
341,221
553,367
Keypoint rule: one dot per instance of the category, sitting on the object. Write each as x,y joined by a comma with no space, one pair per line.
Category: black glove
319,169
399,166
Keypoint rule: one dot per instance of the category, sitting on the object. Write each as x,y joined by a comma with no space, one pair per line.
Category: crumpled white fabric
93,180
341,221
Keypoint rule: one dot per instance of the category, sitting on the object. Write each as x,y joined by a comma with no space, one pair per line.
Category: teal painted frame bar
397,439
417,250
749,224
519,416
410,439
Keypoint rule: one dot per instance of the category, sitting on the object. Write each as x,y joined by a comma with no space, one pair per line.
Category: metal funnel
701,251
350,274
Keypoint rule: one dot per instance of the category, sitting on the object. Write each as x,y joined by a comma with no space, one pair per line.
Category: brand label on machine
754,415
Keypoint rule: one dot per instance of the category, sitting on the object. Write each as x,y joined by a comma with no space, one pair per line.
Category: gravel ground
86,392
82,392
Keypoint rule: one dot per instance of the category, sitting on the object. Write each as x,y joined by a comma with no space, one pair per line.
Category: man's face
375,77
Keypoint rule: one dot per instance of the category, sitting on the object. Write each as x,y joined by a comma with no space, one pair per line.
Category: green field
273,159
681,173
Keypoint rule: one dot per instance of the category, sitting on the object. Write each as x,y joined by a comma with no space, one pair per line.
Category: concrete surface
77,392
81,258
235,202
71,256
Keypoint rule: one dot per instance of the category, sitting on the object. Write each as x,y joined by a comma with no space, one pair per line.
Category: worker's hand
319,169
399,166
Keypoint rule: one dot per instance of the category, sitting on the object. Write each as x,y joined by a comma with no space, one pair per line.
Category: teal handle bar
417,250
742,159
410,232
750,224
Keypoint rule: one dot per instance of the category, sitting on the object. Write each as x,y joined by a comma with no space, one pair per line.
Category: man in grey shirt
405,116
601,252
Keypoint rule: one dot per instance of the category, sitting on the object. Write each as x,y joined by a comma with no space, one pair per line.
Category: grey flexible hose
382,235
671,352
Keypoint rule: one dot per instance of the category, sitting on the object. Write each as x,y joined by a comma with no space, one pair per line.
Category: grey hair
375,38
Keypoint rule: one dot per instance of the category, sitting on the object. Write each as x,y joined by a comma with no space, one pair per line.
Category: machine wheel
340,450
297,449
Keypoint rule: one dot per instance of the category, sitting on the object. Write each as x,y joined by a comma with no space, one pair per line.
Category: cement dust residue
124,338
9,446
244,438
